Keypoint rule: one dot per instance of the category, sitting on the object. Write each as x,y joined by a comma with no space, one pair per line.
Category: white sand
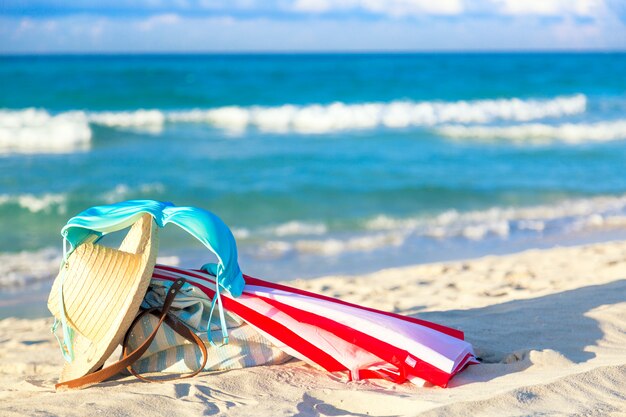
550,325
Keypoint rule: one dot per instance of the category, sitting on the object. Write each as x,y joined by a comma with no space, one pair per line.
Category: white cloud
494,8
97,29
581,8
393,8
156,21
26,24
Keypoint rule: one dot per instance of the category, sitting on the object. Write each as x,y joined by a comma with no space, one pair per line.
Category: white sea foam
355,244
57,202
380,232
30,267
35,131
566,216
231,117
145,120
36,203
288,229
330,246
571,216
567,132
339,116
126,192
297,228
241,233
24,268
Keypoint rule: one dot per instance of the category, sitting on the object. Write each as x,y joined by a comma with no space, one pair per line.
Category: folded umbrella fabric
338,336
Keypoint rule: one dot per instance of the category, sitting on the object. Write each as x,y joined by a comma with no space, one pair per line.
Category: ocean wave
301,238
340,116
58,202
570,216
31,267
35,131
290,228
330,246
296,228
567,132
36,203
28,267
567,216
355,244
125,192
143,120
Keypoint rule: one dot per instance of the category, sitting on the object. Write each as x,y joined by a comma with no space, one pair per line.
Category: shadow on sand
556,322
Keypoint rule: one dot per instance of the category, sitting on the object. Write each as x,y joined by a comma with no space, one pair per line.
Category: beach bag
171,352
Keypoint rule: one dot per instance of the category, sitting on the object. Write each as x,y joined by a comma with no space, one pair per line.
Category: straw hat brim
102,291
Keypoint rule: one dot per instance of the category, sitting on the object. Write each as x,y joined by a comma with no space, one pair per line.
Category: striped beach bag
170,352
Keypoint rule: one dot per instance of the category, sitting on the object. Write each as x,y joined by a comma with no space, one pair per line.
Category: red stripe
196,273
380,374
467,360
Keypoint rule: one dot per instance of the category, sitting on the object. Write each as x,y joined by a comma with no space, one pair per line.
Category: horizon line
320,52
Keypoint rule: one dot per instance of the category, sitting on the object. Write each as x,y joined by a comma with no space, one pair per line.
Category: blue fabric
205,226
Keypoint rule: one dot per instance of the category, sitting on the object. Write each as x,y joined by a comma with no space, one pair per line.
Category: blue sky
48,26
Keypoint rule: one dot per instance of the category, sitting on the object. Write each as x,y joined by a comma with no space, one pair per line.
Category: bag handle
210,230
129,358
179,328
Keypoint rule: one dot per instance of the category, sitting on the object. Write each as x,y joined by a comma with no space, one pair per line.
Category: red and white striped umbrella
339,336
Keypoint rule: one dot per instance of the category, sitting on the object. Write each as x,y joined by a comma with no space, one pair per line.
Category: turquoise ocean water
320,163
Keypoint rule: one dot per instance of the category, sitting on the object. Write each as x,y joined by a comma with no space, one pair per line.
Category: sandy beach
550,326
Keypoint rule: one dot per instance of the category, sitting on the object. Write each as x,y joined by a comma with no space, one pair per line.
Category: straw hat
102,291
